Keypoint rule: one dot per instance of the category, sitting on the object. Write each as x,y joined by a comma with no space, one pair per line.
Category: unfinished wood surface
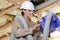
48,7
4,4
17,3
4,30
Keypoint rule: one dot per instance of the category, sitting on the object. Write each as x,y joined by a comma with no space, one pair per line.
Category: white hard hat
27,5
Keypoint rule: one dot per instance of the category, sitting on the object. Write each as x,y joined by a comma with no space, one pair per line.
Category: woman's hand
36,25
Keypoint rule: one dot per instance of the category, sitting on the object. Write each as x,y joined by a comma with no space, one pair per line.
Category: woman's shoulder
18,16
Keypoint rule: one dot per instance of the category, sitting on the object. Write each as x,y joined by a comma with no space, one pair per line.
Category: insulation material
13,11
55,34
55,9
44,14
9,17
3,20
5,38
56,38
6,30
4,4
17,3
2,33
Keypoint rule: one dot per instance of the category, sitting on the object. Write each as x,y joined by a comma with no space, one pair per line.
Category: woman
19,32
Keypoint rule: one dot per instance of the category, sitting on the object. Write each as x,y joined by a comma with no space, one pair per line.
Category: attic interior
8,11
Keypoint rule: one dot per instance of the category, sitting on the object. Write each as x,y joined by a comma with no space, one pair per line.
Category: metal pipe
47,25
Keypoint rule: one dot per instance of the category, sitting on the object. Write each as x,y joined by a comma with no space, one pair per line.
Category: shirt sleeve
19,31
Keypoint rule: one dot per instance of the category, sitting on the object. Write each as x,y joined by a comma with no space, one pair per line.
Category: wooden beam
45,4
48,7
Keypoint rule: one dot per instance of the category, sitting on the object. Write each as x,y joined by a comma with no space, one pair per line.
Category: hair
22,13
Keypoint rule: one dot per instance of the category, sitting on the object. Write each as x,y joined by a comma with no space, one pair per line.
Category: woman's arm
19,31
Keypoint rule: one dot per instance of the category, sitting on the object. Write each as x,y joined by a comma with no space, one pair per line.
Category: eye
29,10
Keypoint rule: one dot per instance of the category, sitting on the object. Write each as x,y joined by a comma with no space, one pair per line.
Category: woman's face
28,13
